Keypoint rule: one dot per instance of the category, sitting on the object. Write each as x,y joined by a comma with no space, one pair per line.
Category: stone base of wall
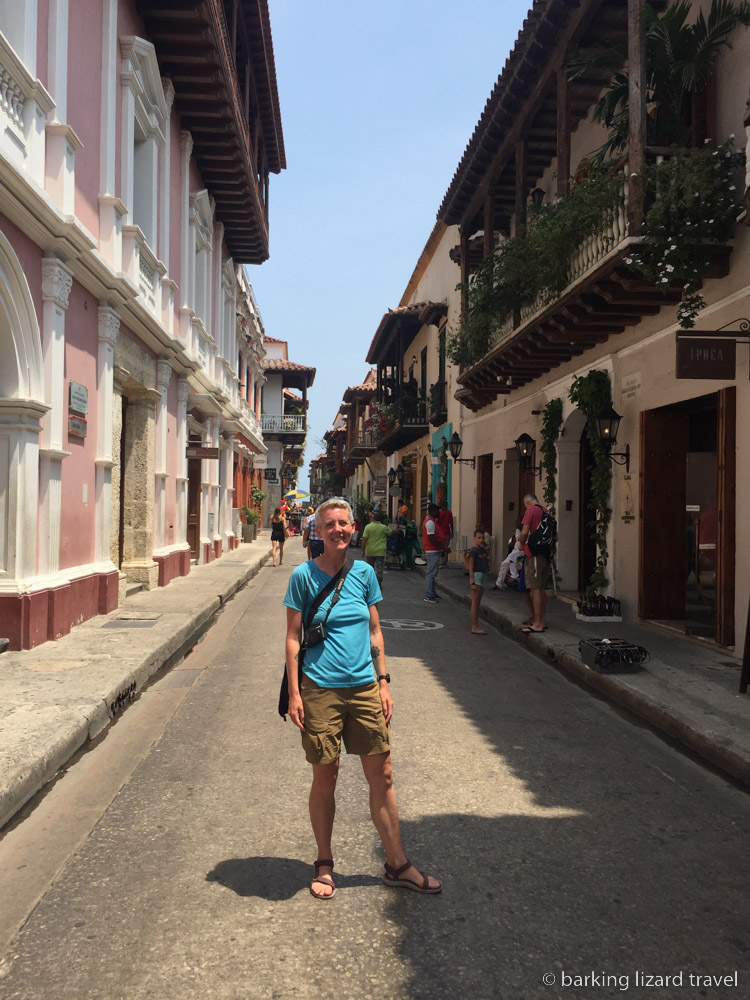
173,565
28,620
217,548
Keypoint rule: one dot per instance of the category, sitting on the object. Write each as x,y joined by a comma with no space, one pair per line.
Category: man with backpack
536,541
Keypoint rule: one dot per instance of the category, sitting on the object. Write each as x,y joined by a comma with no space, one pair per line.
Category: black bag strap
336,582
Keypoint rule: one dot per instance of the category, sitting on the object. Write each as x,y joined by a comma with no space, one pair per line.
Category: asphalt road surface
580,855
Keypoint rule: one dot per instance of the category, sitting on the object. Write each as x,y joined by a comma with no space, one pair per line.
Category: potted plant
250,527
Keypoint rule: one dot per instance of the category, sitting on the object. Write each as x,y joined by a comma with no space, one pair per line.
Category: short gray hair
531,496
333,503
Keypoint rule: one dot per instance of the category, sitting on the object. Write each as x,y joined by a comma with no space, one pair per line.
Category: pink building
136,143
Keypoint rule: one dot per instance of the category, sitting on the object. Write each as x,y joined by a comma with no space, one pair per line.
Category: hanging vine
592,393
551,424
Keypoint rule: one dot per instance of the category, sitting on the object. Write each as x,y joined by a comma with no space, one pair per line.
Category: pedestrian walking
278,535
536,567
479,567
342,692
311,538
433,543
411,537
375,545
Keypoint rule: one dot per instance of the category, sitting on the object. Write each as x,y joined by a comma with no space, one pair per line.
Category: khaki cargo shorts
537,570
354,713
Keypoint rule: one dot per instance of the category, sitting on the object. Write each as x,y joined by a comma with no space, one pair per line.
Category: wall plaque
77,426
706,357
269,475
78,398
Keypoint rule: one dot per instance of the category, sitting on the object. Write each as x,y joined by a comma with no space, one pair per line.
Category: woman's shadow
275,878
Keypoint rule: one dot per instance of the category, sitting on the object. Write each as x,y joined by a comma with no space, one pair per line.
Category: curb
91,719
655,713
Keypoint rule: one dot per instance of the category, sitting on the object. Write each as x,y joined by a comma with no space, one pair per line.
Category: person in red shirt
536,568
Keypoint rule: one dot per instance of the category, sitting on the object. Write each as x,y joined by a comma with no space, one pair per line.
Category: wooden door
587,547
726,504
663,539
484,492
194,507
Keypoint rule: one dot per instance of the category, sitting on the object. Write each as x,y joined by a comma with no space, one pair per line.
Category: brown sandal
391,878
323,879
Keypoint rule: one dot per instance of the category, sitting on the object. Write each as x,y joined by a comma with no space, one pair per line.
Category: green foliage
679,59
592,394
551,424
251,516
534,266
692,203
258,496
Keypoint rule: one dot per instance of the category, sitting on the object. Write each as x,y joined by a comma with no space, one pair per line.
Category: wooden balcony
410,424
602,299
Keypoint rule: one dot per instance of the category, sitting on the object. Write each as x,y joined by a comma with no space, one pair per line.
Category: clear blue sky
378,102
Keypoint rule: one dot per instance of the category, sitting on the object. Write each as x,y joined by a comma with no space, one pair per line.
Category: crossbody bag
312,636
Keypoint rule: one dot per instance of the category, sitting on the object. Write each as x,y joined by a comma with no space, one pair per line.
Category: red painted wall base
28,620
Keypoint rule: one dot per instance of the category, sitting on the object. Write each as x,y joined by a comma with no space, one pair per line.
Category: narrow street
173,860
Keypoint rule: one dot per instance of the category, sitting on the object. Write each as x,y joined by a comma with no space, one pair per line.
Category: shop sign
197,451
706,357
78,398
270,475
260,461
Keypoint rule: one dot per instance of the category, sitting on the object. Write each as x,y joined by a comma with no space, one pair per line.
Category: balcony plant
534,265
692,204
680,56
381,420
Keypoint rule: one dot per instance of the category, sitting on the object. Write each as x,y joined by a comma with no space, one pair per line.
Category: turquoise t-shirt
344,659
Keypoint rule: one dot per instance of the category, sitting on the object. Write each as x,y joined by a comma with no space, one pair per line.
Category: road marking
409,624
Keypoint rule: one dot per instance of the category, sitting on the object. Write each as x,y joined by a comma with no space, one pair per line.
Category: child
479,567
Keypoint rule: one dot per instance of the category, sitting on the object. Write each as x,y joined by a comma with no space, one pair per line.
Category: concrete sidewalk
55,698
689,690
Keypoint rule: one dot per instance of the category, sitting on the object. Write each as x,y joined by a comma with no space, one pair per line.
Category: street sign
706,357
193,451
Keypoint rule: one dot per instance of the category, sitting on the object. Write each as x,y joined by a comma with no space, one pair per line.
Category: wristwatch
384,677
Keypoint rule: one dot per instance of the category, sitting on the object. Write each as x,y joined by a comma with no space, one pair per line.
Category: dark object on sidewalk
613,656
4,643
599,607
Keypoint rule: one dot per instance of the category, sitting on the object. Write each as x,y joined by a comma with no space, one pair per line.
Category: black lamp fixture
525,446
455,445
391,476
537,196
400,474
607,426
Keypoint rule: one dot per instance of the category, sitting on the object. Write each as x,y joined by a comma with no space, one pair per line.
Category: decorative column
183,393
214,491
57,280
186,255
111,209
109,327
163,378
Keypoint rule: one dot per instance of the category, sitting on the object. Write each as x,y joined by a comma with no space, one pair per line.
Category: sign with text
260,461
78,398
706,357
269,475
197,451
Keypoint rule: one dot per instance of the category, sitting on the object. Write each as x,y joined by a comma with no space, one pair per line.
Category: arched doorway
21,410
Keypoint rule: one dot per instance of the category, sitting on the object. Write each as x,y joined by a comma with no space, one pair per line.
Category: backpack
541,542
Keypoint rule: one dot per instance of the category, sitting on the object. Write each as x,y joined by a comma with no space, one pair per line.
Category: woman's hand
386,701
297,711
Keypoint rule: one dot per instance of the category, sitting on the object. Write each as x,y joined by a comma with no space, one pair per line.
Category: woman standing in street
278,535
342,691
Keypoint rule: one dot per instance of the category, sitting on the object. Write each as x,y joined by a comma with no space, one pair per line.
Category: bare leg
384,812
530,605
322,805
476,600
539,599
273,551
281,553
